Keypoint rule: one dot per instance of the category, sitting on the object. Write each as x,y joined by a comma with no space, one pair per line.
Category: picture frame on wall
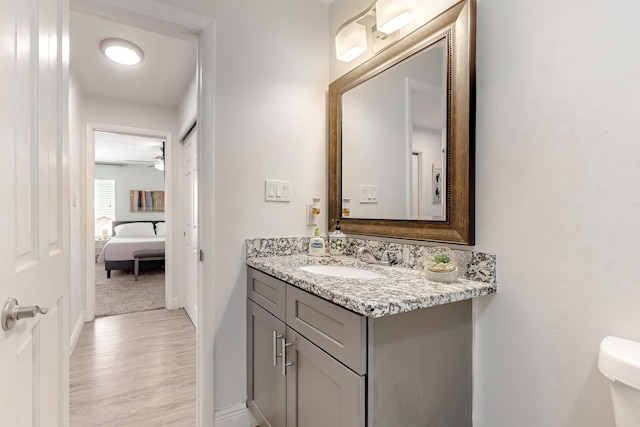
147,201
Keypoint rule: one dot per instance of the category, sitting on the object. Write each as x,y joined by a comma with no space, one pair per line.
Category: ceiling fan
158,161
155,162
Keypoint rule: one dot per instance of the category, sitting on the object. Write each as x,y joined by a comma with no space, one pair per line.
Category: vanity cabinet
306,387
312,363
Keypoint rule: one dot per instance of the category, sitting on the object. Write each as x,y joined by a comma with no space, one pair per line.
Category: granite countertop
401,290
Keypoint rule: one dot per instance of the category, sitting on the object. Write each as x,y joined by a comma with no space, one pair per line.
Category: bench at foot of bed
146,255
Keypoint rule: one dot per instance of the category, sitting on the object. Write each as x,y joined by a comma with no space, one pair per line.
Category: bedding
135,229
131,236
122,248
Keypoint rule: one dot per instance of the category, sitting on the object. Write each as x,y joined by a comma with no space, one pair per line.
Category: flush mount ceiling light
391,15
351,41
121,51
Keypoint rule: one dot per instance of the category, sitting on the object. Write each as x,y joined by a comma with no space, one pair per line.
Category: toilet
619,360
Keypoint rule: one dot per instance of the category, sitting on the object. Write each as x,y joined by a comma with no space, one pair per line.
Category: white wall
105,110
188,107
558,124
271,79
132,177
271,89
76,171
557,199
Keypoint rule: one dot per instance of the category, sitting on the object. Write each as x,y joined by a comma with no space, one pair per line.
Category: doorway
181,23
130,196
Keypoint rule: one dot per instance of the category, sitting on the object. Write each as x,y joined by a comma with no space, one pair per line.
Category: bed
129,237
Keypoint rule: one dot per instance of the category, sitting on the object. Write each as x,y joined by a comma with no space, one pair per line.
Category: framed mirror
401,137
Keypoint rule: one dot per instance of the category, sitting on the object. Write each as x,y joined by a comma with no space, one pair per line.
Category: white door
34,211
190,266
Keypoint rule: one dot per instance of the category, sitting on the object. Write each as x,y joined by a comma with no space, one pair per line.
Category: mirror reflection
394,141
390,118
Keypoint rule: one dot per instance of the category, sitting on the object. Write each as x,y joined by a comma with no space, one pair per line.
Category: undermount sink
341,271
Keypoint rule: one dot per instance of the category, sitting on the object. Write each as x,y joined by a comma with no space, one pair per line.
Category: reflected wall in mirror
394,140
401,147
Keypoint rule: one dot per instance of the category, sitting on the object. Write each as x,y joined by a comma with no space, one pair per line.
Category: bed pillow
161,229
135,229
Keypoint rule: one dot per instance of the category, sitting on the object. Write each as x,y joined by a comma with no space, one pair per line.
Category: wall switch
368,194
277,191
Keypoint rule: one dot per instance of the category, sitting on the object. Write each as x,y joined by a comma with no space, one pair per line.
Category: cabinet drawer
338,331
266,291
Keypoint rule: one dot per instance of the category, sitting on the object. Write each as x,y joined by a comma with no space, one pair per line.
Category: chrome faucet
367,256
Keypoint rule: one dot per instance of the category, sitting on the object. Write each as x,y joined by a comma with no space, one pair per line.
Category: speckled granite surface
475,266
401,290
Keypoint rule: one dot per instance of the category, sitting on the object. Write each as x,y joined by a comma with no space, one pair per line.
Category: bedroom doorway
129,212
131,177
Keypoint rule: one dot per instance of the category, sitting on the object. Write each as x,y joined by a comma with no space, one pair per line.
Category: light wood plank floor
136,369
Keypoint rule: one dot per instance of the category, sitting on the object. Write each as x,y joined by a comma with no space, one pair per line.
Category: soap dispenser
337,242
316,244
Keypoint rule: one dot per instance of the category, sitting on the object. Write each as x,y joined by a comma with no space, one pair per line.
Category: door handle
12,312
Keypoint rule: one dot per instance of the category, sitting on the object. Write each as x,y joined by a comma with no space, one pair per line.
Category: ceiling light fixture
391,15
121,51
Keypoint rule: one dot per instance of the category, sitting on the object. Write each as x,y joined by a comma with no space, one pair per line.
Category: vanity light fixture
391,15
121,51
351,41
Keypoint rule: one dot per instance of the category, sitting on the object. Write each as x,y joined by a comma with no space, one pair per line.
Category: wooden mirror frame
457,26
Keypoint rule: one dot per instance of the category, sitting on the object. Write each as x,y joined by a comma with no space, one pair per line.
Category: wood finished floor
136,369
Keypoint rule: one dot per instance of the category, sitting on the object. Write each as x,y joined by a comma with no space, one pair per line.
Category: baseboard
75,334
234,416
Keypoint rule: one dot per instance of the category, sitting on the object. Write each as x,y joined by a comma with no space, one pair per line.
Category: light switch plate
368,194
277,191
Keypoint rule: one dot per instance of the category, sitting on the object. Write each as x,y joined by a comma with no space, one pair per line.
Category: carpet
122,294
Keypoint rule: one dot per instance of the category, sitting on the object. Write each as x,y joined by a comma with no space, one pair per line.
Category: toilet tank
619,360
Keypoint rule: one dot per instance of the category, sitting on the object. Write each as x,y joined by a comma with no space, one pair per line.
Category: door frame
170,294
175,21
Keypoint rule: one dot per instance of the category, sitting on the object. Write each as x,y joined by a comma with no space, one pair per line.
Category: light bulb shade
351,41
121,51
391,15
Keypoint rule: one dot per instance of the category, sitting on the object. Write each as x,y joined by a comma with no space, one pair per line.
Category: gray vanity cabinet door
321,391
266,385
